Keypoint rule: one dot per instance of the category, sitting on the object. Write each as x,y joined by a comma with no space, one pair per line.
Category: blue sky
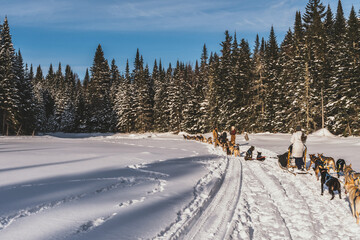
49,31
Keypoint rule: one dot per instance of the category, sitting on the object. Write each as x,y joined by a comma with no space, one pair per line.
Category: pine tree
340,80
353,29
9,93
84,126
123,103
66,102
80,108
99,90
315,63
214,90
314,13
192,95
115,81
158,96
204,121
26,97
174,101
258,87
226,78
43,101
271,73
286,105
143,95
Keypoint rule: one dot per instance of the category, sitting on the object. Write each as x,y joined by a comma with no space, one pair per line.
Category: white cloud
156,15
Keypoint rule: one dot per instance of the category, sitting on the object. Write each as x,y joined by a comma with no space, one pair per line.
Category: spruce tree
115,81
84,126
26,97
204,121
258,87
43,102
174,101
99,90
290,81
214,90
9,93
271,74
225,87
340,81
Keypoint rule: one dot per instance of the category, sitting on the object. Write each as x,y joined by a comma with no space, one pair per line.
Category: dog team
229,147
352,179
322,166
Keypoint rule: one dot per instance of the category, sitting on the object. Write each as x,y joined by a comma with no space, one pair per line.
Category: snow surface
159,186
323,133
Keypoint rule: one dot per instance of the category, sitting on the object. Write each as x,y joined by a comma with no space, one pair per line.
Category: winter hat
298,128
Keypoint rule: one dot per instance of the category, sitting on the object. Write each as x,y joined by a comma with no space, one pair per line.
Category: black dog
228,152
331,182
249,153
259,157
283,160
340,165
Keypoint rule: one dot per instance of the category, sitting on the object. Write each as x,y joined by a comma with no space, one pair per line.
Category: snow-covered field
159,186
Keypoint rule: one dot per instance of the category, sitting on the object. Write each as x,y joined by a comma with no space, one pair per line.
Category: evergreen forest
311,78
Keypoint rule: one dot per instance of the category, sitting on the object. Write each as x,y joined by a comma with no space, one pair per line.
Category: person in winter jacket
297,140
233,135
223,137
215,134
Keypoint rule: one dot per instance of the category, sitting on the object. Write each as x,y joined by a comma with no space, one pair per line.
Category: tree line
311,79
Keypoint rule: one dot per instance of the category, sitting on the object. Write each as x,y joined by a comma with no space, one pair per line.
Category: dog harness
352,174
319,163
328,177
340,165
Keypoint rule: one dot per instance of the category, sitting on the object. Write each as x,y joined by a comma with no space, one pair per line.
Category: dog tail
355,210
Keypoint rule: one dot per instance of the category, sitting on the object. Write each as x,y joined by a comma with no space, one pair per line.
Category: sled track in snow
278,205
213,222
256,200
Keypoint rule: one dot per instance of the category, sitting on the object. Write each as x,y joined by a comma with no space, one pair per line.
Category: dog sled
287,162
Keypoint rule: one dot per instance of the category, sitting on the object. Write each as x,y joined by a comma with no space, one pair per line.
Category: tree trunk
349,129
307,84
3,123
322,110
18,132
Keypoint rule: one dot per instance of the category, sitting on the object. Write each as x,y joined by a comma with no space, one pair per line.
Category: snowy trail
278,205
258,200
215,221
106,187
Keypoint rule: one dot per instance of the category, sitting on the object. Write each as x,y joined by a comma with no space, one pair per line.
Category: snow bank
323,133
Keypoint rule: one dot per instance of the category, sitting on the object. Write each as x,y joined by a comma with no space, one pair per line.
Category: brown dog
231,147
354,199
313,159
318,164
351,176
329,162
237,150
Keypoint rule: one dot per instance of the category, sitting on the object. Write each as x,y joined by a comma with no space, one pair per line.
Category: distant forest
315,70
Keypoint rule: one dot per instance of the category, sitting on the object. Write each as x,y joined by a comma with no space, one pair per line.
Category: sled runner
287,162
